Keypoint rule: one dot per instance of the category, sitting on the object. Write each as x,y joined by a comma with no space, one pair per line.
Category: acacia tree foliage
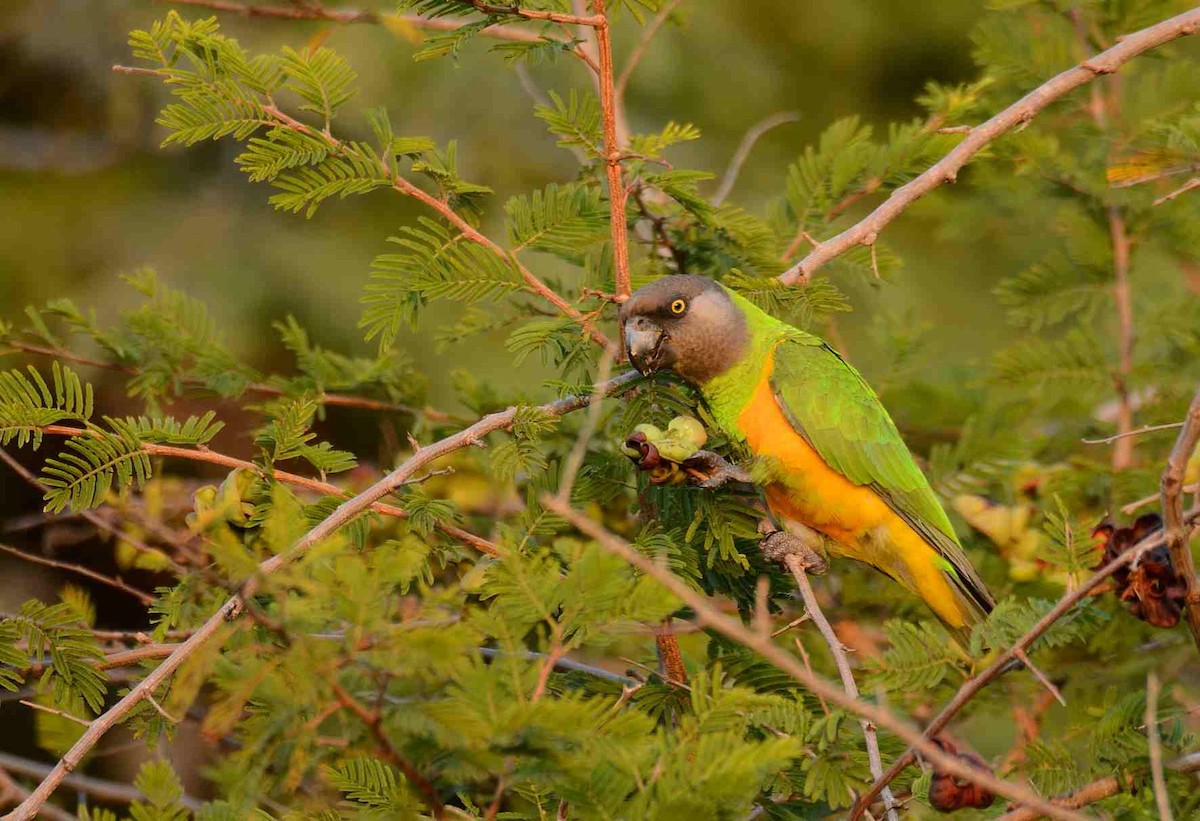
452,651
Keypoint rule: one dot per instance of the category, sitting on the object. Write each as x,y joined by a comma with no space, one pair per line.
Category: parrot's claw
777,546
710,471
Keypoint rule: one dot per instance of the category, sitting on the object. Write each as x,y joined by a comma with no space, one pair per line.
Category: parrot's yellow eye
678,307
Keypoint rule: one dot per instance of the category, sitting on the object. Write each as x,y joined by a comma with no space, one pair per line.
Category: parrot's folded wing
837,412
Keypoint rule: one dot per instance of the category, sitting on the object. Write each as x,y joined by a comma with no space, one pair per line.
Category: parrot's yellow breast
805,489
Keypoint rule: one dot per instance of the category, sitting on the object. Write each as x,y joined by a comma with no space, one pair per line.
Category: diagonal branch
972,687
95,787
233,606
762,644
115,583
946,169
813,609
1178,532
1103,788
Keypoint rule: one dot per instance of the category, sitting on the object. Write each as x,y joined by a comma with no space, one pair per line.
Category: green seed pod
652,433
689,429
676,449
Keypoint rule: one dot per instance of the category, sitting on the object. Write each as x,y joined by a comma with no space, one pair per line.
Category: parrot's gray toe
778,546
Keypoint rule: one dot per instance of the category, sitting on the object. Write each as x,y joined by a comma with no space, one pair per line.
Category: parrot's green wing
837,412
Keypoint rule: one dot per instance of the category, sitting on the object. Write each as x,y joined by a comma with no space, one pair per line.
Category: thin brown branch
749,140
1022,111
1194,182
596,20
373,721
1155,743
316,485
612,153
55,712
642,45
96,520
1157,497
1103,788
973,686
79,570
1177,530
234,605
499,32
1108,440
708,614
813,609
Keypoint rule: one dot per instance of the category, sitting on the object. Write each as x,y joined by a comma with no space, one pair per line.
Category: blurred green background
87,193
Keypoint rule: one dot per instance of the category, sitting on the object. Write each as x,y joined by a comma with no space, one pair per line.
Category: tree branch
749,139
233,606
733,628
972,687
117,584
612,153
214,458
643,43
1101,789
1156,767
1178,533
1022,111
813,609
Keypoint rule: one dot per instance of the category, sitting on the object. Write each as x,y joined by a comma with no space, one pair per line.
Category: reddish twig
213,458
708,614
373,721
233,606
1022,111
612,153
1178,532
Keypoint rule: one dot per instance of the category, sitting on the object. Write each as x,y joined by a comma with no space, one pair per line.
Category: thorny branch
708,614
612,152
234,605
973,686
946,169
1178,531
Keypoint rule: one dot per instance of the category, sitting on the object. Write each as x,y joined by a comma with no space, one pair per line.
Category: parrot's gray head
686,324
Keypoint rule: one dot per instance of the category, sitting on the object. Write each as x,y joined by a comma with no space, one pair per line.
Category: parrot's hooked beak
644,343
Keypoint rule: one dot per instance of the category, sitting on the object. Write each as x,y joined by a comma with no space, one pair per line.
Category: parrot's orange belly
804,488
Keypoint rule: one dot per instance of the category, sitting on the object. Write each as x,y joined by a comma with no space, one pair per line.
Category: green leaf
81,476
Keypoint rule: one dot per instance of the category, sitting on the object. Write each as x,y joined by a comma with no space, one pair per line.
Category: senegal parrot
830,458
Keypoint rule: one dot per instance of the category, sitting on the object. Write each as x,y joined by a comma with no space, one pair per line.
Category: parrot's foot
806,544
710,470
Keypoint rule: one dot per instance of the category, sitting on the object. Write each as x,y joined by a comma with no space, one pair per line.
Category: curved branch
762,644
749,140
946,169
233,606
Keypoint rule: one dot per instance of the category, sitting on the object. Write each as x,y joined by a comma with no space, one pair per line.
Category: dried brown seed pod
948,793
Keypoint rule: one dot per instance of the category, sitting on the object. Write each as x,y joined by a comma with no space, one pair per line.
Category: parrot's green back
825,401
